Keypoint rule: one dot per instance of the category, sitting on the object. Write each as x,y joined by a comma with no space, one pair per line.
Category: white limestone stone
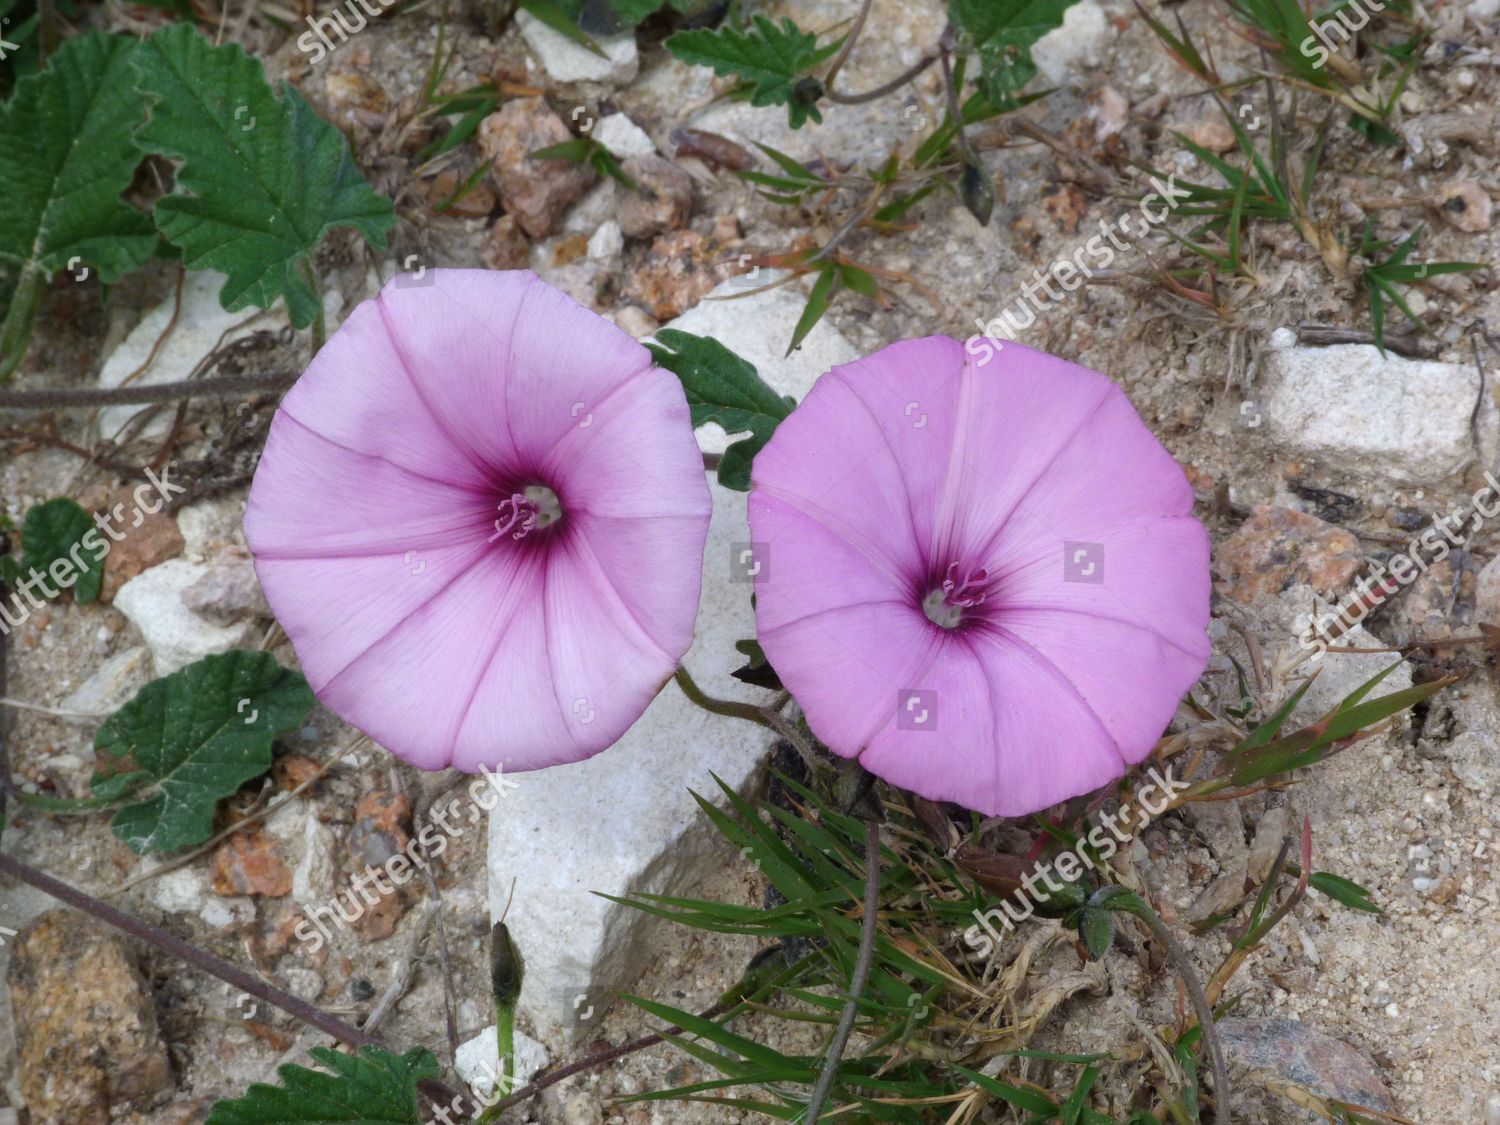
623,821
1366,416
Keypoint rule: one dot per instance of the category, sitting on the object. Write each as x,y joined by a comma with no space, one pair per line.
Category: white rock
1072,49
623,821
209,526
1487,594
607,241
1283,337
176,635
315,872
221,913
623,137
477,1061
117,679
567,61
1369,417
200,327
757,328
183,891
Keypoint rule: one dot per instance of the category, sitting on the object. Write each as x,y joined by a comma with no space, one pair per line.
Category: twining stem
1196,997
170,943
734,709
843,56
884,88
598,1058
731,708
219,386
857,983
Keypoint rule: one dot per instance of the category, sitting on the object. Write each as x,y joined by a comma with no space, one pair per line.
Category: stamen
945,605
521,513
969,591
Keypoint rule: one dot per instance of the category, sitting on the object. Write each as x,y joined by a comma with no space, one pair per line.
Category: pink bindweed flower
981,578
480,518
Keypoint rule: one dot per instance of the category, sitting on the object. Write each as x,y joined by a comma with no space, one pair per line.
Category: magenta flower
480,518
981,578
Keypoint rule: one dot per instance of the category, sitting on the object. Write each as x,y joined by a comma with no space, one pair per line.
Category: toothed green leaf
192,738
262,178
374,1087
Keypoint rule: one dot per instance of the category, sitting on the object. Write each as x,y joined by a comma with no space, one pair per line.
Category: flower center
960,590
522,513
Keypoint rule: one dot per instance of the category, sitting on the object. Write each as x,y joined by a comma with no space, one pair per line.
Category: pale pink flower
981,578
480,518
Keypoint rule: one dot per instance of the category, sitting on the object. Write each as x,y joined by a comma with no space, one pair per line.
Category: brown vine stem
170,943
884,88
218,386
232,975
857,984
598,1058
843,56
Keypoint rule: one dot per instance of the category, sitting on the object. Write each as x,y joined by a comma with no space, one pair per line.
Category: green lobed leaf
262,178
771,59
1002,32
374,1087
725,389
195,736
66,156
56,531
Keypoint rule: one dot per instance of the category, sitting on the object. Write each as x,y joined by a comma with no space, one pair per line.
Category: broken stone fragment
1277,547
662,199
86,1031
536,192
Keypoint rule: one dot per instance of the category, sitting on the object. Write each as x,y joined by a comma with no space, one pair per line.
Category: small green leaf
1028,1100
195,736
1003,34
632,12
725,389
562,20
758,671
58,532
1343,890
262,179
575,151
1096,929
65,158
1313,743
770,59
818,300
374,1087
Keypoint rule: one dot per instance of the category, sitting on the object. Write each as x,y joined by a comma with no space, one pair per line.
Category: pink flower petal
425,605
949,594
